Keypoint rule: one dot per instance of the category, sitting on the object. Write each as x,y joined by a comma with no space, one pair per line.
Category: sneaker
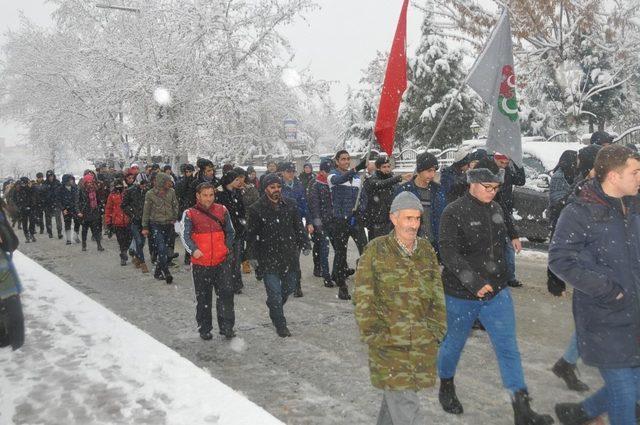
68,243
298,293
515,283
50,235
228,333
328,283
206,335
351,272
158,275
33,238
59,235
144,268
168,278
343,293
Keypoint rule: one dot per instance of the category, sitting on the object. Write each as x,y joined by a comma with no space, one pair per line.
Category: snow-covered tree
576,60
435,75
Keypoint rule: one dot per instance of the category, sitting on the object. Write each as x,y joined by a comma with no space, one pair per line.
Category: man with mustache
275,236
400,311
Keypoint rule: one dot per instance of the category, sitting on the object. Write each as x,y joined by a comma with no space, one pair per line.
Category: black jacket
275,236
513,176
595,248
320,208
68,198
23,197
84,206
51,190
379,192
232,199
185,193
133,203
472,247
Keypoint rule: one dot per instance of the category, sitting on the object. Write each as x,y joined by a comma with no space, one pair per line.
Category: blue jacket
320,208
438,203
297,192
344,192
596,249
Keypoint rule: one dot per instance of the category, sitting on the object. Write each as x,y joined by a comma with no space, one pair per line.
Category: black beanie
426,160
270,179
228,178
586,159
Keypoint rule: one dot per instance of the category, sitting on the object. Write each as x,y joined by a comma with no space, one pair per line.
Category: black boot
448,398
343,292
84,245
328,283
515,283
571,414
60,234
522,413
168,278
99,242
567,372
123,258
283,332
158,274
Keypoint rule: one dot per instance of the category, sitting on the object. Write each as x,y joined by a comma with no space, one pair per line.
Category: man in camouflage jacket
401,312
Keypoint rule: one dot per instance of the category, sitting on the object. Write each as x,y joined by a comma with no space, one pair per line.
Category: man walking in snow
401,312
473,235
68,201
275,236
321,216
51,187
207,234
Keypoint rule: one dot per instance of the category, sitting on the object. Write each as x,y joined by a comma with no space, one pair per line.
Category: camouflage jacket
401,313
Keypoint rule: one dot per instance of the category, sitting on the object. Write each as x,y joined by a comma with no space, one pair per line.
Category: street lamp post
475,129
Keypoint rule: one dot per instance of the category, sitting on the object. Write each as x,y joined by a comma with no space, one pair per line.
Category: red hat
500,156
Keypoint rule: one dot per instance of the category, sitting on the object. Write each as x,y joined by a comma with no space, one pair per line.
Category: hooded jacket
595,248
68,198
51,189
114,215
160,208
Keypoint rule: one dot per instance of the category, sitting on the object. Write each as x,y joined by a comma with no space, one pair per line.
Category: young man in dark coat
133,206
379,192
320,216
39,200
473,234
184,191
51,187
24,200
595,249
275,236
231,198
68,201
431,196
206,174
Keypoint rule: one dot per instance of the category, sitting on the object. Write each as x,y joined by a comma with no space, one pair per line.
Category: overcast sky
335,42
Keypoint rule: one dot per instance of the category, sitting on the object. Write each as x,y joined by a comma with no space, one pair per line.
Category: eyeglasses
490,188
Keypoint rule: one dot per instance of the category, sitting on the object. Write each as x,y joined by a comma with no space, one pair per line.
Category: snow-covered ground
82,364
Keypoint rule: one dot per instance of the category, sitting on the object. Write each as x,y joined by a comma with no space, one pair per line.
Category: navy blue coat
596,250
298,193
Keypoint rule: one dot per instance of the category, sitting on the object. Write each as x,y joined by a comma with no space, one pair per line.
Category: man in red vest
207,234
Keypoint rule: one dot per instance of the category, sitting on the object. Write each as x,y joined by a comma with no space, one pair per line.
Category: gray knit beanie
406,201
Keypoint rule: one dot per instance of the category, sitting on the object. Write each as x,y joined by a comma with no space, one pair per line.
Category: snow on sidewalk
82,364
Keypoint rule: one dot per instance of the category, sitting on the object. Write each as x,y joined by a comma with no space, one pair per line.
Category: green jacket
158,208
401,313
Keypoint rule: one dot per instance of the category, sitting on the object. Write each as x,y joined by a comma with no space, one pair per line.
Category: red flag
395,83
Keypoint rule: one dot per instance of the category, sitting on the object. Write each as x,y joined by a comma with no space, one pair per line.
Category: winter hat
155,166
24,180
406,201
226,168
461,157
287,166
39,175
486,172
477,155
382,159
250,169
500,156
426,160
271,178
240,171
203,163
134,165
601,137
228,178
586,159
326,164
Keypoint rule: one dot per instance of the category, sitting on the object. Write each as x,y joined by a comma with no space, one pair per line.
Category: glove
306,252
362,164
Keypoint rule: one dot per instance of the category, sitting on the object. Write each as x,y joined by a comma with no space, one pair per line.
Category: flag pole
364,175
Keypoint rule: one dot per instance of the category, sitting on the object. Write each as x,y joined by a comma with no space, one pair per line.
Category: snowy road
320,375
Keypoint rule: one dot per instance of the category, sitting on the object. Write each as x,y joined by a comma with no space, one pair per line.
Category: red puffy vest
208,235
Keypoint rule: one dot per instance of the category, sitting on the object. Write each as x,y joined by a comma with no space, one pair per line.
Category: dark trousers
235,263
39,218
162,234
321,253
71,216
95,226
340,232
136,234
53,212
379,229
123,235
278,290
28,220
205,281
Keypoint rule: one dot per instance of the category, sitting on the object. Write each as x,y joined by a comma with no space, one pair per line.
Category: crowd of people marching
436,258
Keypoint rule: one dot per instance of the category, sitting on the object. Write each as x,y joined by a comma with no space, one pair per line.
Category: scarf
93,199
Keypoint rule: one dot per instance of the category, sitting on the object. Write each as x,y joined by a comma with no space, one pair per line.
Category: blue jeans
498,318
510,258
618,397
278,290
138,240
161,237
571,355
321,252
